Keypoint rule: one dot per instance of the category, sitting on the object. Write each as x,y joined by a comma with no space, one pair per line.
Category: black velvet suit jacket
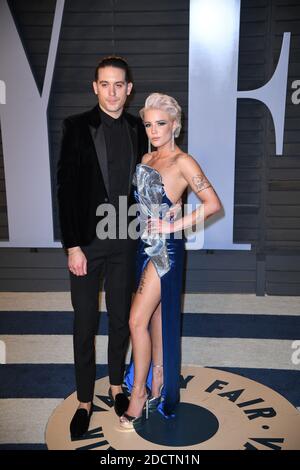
82,176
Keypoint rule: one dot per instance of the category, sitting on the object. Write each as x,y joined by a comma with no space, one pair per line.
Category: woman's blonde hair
165,103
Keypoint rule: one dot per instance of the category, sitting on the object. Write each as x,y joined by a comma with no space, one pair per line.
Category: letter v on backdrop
25,143
213,69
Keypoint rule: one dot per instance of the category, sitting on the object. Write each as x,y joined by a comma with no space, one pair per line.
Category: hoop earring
173,142
149,145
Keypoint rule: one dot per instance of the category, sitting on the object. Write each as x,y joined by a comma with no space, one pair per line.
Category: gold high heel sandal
127,421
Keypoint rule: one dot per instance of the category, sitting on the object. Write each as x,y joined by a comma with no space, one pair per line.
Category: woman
161,178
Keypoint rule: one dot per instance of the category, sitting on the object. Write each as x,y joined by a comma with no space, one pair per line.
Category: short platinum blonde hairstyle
164,103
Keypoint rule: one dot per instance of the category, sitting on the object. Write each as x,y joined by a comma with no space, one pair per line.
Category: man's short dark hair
114,61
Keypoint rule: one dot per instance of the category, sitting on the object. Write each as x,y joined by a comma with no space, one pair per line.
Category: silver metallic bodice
154,203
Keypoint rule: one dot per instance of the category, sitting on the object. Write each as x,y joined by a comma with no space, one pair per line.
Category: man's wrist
74,249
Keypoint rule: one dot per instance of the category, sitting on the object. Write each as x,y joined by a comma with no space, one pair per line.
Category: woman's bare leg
145,303
157,351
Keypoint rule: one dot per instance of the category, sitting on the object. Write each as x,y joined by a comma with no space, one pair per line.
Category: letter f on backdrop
213,75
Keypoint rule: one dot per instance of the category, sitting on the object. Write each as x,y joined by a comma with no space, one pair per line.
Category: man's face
112,90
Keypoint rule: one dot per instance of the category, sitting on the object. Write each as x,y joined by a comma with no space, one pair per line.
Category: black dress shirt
118,150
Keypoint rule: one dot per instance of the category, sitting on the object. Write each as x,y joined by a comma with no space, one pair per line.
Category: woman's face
159,127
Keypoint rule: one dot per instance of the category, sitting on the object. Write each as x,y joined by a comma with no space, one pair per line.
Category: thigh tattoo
142,281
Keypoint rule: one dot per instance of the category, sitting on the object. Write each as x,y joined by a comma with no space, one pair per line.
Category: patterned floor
248,335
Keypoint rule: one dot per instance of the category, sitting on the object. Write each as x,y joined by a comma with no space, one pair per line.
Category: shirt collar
108,120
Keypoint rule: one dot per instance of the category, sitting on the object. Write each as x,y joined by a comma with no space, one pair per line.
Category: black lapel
133,138
97,134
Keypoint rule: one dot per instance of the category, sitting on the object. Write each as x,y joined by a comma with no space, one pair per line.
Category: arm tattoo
200,182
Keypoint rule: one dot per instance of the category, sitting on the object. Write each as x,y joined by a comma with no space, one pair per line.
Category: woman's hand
156,226
174,210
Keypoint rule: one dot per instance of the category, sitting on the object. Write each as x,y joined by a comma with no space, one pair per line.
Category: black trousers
115,259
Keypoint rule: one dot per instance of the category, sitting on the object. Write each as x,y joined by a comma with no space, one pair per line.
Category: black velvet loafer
121,402
80,422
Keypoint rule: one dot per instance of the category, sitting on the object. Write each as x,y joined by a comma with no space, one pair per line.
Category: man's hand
77,262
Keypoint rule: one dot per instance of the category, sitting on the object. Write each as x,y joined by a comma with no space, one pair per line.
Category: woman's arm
194,177
197,181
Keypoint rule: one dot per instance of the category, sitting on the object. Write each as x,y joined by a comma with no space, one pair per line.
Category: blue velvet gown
167,255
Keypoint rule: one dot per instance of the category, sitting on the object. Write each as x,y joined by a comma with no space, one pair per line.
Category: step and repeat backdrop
233,66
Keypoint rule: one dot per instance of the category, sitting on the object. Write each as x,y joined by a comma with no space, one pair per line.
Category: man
100,149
